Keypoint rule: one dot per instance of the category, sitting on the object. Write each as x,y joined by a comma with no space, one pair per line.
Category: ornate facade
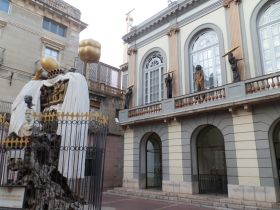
224,139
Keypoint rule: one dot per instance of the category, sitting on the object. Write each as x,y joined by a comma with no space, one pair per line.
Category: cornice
54,44
58,7
206,10
162,17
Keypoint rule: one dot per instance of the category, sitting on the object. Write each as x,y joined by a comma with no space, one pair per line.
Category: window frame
149,73
261,7
54,27
202,50
52,50
141,78
186,72
260,40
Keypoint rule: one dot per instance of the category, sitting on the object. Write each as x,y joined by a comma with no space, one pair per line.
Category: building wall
24,41
113,171
251,164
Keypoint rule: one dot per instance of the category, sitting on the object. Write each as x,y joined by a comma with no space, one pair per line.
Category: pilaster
173,58
132,53
234,27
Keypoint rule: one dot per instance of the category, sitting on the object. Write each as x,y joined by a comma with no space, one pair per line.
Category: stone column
128,168
176,182
173,59
249,187
234,27
132,52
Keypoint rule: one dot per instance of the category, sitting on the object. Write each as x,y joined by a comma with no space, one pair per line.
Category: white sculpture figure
76,100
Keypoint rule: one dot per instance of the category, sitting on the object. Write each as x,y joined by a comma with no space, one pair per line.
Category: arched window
153,77
205,51
269,36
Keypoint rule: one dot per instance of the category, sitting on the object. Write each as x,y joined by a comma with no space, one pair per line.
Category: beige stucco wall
217,18
248,8
21,38
161,43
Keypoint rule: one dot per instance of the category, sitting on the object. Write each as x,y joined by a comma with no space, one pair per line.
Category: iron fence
212,183
59,166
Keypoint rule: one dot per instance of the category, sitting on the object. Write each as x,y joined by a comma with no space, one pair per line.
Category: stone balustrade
243,93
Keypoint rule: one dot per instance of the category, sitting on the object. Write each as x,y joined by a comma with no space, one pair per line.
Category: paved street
114,202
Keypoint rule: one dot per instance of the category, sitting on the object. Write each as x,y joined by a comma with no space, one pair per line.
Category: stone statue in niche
233,64
128,96
168,83
199,78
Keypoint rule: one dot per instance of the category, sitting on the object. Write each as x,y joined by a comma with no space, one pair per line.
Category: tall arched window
205,51
153,77
269,35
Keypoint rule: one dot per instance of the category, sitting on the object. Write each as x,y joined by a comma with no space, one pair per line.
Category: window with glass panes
49,52
4,5
153,78
205,52
269,35
54,27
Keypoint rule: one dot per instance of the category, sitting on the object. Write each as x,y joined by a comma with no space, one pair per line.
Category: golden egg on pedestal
49,64
89,50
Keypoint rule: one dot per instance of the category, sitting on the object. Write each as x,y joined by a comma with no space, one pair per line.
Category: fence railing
60,165
5,106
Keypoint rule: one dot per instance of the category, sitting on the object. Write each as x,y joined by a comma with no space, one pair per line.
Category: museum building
219,135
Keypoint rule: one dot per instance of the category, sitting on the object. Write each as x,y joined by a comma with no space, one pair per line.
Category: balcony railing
101,88
255,90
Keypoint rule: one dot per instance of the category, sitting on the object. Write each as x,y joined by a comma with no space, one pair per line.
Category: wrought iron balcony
244,93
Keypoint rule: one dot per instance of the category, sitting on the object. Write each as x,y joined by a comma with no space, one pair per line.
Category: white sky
106,22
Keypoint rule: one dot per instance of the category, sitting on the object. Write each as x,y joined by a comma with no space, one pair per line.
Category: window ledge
52,44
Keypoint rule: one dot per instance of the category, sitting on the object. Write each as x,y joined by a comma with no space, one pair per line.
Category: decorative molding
163,17
172,31
53,44
131,51
140,31
226,3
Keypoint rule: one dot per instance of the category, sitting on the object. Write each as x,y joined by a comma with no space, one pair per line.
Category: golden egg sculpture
49,64
89,50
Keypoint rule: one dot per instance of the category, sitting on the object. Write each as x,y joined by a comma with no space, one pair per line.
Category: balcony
245,93
101,88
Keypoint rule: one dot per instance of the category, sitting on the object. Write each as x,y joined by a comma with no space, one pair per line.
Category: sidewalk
115,202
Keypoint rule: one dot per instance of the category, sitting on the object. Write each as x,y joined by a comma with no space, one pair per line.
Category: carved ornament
226,3
131,51
172,31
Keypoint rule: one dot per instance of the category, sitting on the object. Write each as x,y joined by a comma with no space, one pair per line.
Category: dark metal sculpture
168,83
233,64
128,96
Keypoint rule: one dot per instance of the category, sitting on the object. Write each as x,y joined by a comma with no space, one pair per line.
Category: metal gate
59,167
215,178
153,164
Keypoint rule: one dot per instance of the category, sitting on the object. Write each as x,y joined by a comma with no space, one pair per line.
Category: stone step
212,201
